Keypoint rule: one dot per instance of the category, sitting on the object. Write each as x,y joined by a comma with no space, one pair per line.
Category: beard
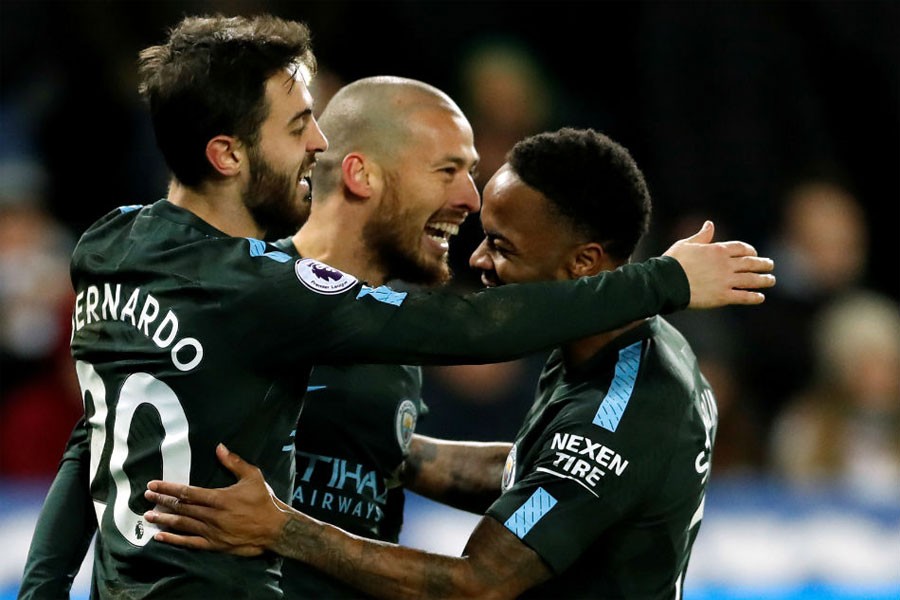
394,238
270,197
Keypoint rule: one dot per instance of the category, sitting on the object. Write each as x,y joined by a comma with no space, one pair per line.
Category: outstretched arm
506,322
246,519
465,475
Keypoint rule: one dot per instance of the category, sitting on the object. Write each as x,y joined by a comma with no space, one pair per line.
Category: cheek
283,150
510,270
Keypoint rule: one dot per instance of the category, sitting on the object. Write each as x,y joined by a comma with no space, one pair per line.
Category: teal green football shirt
184,337
607,477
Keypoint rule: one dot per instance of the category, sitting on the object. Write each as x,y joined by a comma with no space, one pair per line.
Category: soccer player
396,137
381,182
603,490
189,329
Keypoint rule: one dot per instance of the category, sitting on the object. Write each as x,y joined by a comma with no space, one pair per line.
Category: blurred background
778,120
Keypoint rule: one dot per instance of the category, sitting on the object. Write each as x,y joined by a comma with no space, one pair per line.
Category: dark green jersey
64,529
354,432
607,476
185,337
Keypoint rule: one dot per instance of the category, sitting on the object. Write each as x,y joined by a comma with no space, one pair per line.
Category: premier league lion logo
327,273
321,278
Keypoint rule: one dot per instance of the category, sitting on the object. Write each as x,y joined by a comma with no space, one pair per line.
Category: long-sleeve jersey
608,473
184,337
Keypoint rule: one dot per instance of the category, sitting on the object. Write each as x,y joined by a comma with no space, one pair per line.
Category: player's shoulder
671,362
117,218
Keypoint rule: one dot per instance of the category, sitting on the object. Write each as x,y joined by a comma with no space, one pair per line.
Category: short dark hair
209,78
591,181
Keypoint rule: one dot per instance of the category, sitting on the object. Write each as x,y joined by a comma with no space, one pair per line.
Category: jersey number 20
136,390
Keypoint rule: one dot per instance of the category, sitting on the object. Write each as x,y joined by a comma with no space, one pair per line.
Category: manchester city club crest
509,470
321,278
407,414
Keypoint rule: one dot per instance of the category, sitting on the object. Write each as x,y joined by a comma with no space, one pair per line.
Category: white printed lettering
79,317
170,321
198,354
600,460
93,297
130,307
110,302
148,314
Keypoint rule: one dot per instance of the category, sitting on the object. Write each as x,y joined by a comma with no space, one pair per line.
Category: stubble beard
270,197
394,240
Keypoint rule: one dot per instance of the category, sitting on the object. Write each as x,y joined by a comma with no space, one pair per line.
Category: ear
360,175
226,155
587,259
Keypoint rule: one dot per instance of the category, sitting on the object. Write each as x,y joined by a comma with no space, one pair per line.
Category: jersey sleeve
584,478
64,528
380,325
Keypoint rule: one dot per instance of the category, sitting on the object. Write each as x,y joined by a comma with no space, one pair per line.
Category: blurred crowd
808,384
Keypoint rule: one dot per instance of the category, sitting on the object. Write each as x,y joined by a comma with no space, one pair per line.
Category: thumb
233,462
705,235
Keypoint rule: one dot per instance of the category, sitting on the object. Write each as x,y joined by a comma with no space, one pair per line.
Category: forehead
288,93
513,209
437,133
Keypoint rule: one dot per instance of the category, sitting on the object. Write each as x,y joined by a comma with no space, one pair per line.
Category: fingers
737,248
183,493
176,505
235,463
182,523
753,264
752,281
186,541
745,297
704,236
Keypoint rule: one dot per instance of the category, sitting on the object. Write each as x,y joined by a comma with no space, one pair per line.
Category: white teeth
450,228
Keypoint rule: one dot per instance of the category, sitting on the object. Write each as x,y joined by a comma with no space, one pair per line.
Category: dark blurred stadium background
727,107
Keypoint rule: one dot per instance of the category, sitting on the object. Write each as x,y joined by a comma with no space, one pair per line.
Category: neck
220,205
580,351
333,235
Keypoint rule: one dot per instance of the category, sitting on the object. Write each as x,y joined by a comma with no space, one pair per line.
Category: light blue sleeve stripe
129,208
613,406
258,248
531,511
383,294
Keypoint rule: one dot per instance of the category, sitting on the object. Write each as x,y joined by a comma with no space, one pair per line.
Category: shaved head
373,116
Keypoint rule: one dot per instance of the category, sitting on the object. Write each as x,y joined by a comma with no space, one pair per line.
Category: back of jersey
164,381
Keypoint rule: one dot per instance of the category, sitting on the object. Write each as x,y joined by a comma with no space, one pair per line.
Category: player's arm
64,529
246,519
512,320
465,475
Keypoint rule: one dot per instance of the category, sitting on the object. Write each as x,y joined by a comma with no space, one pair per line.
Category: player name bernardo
141,311
580,457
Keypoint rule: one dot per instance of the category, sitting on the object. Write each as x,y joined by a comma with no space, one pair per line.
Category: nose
317,142
469,199
481,258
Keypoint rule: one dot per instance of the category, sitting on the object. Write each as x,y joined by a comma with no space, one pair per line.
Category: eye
498,248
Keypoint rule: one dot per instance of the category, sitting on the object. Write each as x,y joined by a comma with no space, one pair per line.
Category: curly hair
209,79
590,181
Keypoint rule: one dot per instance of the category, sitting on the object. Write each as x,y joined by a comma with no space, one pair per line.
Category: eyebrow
493,237
459,163
300,115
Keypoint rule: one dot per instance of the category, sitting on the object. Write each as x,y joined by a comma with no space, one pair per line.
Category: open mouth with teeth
441,232
304,182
